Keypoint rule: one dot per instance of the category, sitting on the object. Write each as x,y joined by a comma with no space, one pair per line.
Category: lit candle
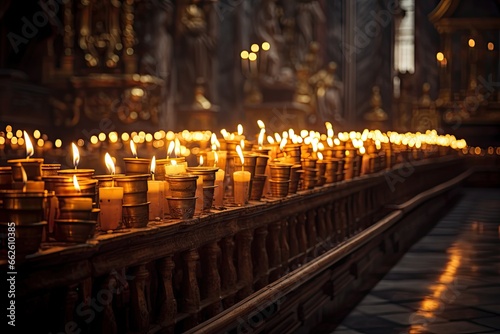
156,194
110,202
219,185
241,181
175,168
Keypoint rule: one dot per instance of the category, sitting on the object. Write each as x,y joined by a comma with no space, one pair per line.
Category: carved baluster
70,300
311,231
302,236
105,298
139,307
168,308
228,271
260,259
321,221
190,291
343,218
285,248
330,229
274,250
339,222
294,243
211,280
245,269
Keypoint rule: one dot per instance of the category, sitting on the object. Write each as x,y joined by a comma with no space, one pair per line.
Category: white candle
175,168
110,203
199,196
241,187
156,199
219,189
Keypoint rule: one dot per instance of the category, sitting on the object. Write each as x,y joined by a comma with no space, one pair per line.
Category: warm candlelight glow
75,183
177,149
240,129
76,155
260,140
201,160
244,54
240,154
283,143
270,140
252,56
472,43
242,143
132,149
153,166
254,48
261,124
320,156
216,158
171,147
29,145
491,46
110,165
266,46
173,162
439,56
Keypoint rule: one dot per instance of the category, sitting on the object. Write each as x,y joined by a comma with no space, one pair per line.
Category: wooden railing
177,274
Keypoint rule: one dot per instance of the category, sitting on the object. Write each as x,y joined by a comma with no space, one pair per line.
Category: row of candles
111,197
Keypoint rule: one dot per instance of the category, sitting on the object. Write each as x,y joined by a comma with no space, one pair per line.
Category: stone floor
448,282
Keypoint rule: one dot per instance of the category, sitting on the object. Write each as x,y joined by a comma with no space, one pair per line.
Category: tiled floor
448,282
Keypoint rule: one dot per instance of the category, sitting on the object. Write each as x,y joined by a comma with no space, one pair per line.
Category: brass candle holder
261,164
208,174
74,230
279,189
50,169
136,215
258,182
331,170
6,177
136,166
135,188
28,237
81,174
181,208
295,177
182,186
321,178
32,167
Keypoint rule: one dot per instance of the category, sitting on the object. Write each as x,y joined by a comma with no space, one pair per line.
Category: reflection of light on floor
440,293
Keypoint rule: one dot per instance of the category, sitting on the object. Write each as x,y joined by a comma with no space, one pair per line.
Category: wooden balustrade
175,275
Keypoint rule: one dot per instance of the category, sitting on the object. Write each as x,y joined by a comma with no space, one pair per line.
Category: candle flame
109,163
25,176
216,158
270,140
213,139
76,155
240,129
283,143
177,150
132,148
260,140
240,154
320,156
171,147
336,141
201,160
173,162
153,165
261,124
330,133
329,141
224,133
29,145
76,184
328,125
277,137
242,143
362,150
